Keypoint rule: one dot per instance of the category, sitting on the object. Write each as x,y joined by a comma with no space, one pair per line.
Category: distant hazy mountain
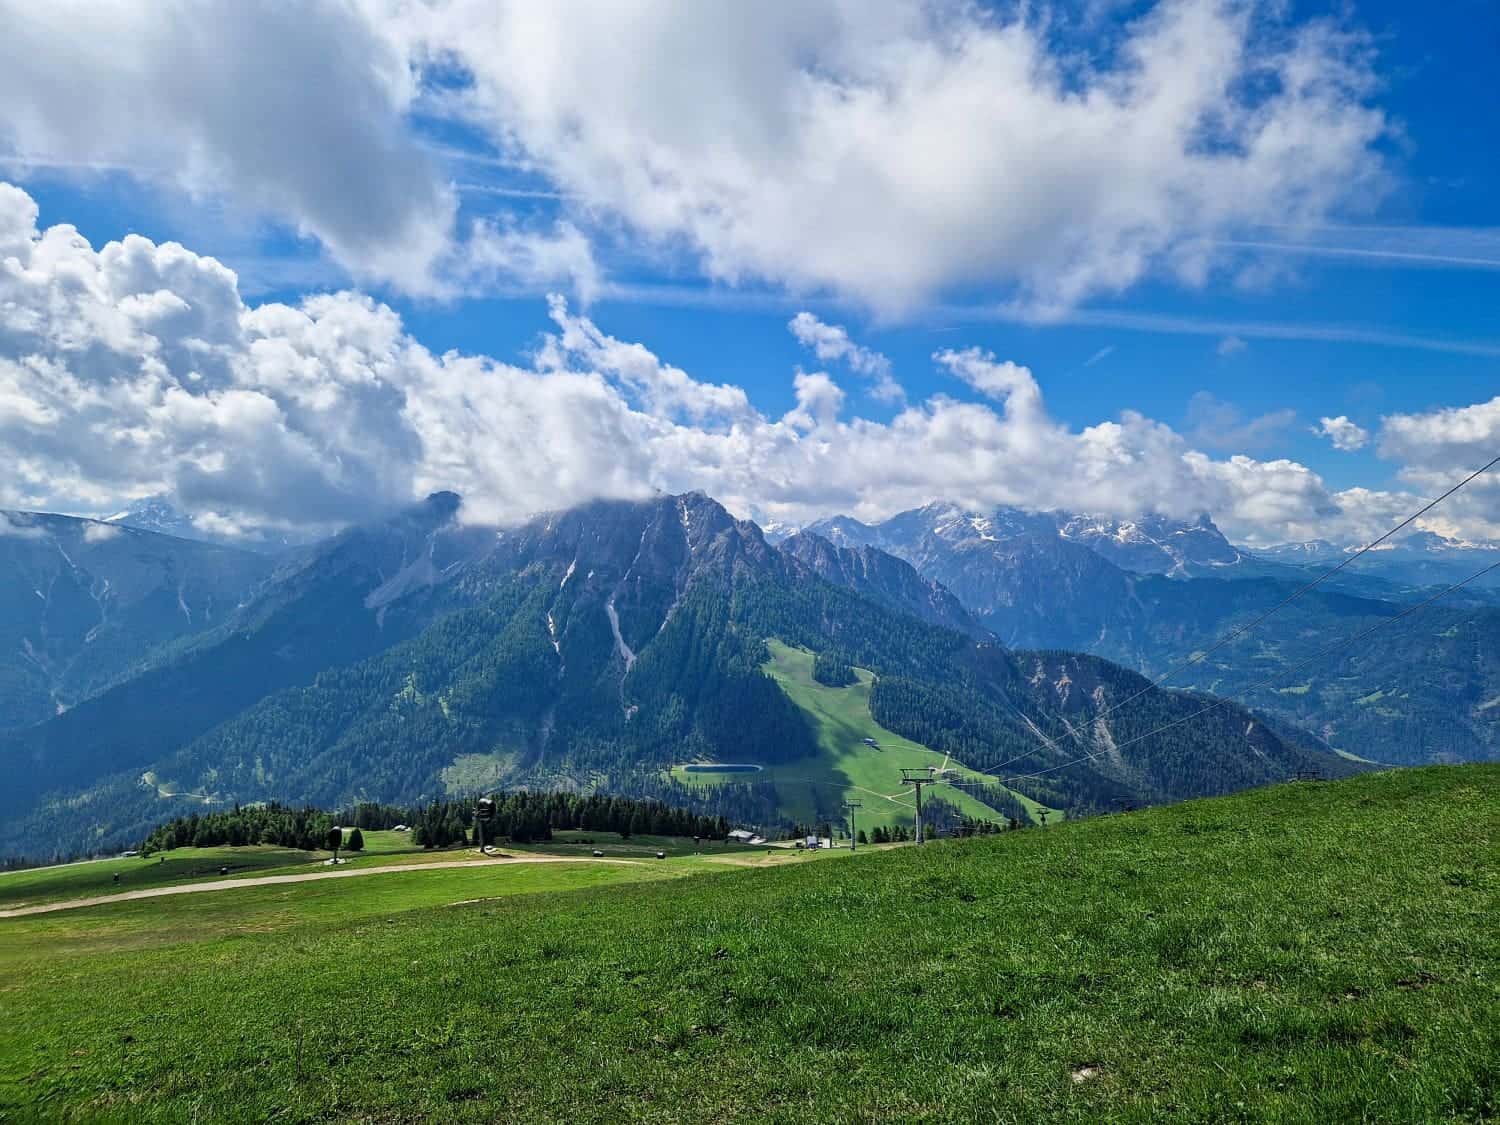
883,578
1150,545
1417,560
84,601
159,514
1308,551
1153,544
417,656
155,513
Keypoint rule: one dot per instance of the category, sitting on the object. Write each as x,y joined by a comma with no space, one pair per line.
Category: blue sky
1376,297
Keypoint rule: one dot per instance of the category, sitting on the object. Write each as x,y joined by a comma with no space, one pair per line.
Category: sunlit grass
1308,952
846,767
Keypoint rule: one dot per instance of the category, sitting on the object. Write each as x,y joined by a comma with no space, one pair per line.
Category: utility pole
916,779
853,829
484,813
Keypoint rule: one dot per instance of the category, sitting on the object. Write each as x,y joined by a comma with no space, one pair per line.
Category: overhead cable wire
1199,657
1228,638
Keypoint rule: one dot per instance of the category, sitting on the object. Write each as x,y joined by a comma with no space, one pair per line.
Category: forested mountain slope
595,646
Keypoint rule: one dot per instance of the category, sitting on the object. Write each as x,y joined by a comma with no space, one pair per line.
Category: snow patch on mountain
1149,544
625,651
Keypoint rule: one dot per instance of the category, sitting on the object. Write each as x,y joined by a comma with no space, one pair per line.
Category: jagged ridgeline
422,657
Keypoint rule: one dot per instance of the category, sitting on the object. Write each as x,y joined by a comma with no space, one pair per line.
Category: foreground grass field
846,768
1302,953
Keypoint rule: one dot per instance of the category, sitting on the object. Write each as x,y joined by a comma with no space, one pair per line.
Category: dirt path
271,880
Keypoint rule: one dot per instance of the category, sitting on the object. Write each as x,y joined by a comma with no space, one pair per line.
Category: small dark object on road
661,855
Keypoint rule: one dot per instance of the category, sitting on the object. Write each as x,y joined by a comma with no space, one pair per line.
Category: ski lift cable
1199,657
1235,634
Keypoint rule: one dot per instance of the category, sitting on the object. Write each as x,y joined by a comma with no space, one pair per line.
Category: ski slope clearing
858,758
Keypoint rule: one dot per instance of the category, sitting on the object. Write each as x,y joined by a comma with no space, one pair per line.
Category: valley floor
1305,952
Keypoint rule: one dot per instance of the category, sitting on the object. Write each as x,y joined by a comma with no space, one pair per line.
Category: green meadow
848,768
180,867
1306,952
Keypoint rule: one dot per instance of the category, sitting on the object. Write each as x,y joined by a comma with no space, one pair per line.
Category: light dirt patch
272,880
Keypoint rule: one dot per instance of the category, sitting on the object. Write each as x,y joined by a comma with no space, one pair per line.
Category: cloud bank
887,151
137,369
299,112
884,151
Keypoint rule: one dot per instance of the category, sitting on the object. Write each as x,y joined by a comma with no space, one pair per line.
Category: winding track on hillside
272,880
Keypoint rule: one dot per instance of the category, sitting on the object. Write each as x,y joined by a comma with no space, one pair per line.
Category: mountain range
1421,558
82,601
159,514
1157,595
598,647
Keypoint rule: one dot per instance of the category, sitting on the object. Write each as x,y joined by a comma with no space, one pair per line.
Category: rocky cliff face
1149,545
883,578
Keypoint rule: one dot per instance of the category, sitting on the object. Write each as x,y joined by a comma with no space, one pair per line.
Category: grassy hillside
97,876
846,767
188,867
1306,952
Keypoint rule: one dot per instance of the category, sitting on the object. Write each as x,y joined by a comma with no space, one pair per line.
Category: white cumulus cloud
1344,434
883,151
1436,449
136,369
887,150
831,342
819,400
298,112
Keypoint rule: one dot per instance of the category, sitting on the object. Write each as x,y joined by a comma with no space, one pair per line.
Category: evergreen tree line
305,828
833,669
944,819
522,817
749,803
